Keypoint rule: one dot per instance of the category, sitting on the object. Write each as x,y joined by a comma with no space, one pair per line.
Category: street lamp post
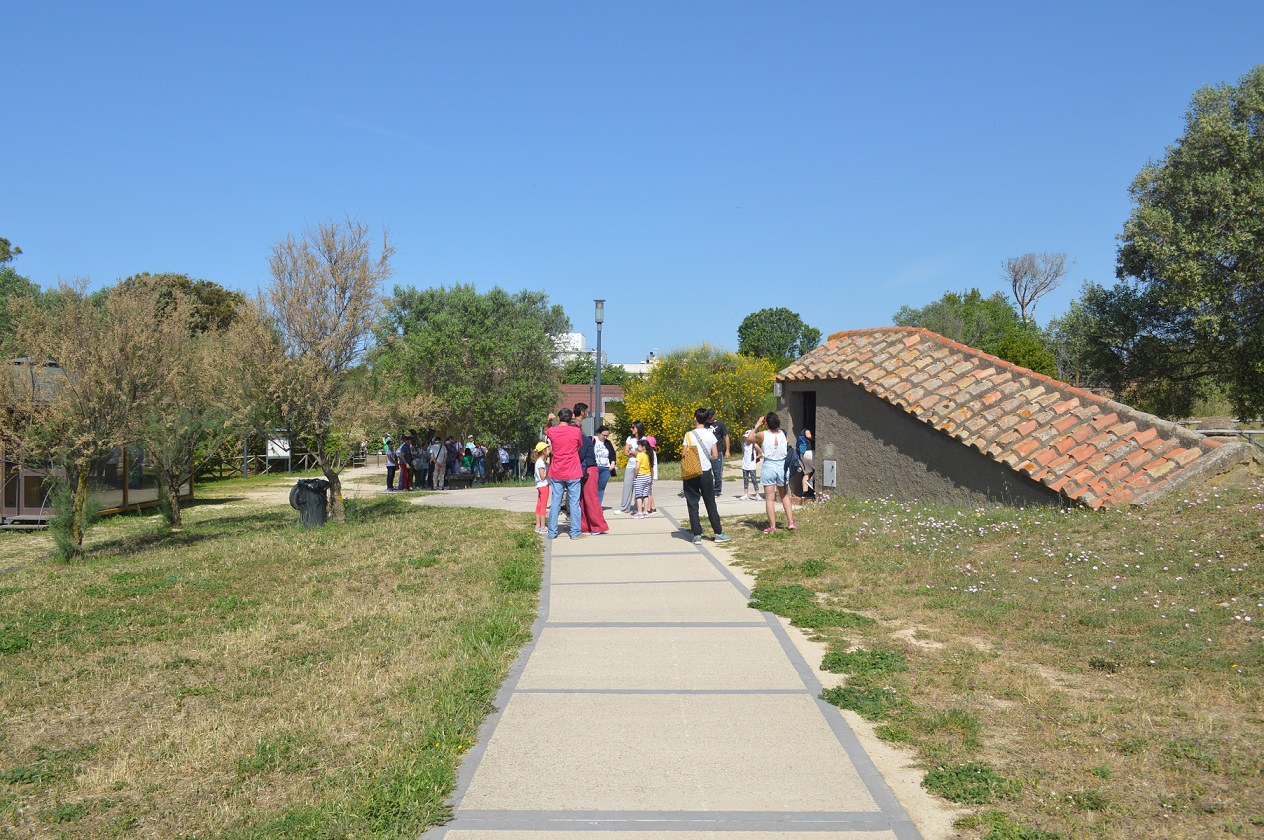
601,316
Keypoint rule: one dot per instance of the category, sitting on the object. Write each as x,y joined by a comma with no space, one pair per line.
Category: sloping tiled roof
1096,451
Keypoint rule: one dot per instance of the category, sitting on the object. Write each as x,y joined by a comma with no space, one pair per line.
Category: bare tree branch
1031,277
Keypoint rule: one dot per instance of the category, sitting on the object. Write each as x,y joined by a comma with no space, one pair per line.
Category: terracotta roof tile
1096,451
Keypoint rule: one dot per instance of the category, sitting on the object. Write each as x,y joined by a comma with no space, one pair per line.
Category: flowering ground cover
1063,673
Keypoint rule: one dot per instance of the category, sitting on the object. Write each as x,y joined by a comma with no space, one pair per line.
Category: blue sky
690,162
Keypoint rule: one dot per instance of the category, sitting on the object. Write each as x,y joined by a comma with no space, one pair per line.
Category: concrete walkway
654,703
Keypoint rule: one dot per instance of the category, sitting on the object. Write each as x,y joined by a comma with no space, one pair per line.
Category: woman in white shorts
773,478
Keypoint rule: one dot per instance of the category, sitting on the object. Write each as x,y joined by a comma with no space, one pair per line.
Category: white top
774,446
601,455
630,446
702,440
750,456
541,473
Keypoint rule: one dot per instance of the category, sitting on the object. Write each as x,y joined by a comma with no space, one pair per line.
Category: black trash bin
308,498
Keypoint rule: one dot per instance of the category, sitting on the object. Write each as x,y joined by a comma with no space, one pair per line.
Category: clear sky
690,162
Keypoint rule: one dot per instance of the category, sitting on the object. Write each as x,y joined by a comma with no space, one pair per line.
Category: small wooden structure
122,481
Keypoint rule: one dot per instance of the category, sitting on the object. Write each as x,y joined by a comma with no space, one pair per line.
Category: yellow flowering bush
738,387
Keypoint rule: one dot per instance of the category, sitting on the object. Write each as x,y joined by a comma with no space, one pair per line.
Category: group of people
573,466
433,465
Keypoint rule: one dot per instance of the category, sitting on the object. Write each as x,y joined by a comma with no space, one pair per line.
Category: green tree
8,250
737,386
212,306
324,302
1068,338
1143,366
778,335
967,317
1192,257
13,288
106,367
990,324
487,359
583,369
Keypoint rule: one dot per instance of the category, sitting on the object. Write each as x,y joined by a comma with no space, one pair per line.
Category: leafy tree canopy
486,358
990,324
778,335
583,369
1068,337
213,306
12,286
8,250
967,317
1192,260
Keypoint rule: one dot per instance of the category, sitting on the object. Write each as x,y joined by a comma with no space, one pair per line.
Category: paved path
653,703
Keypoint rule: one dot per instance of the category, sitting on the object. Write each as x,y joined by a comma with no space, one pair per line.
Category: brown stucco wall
883,451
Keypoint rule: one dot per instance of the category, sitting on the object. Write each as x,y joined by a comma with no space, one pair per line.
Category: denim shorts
773,474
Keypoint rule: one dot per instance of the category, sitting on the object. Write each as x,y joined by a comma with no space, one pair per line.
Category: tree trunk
171,487
79,504
337,508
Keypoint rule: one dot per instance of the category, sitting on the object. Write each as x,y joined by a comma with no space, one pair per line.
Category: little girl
542,456
751,455
644,478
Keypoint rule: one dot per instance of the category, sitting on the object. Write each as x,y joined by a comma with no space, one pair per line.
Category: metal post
601,316
245,456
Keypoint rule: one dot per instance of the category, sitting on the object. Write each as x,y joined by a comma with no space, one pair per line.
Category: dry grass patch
248,678
1109,664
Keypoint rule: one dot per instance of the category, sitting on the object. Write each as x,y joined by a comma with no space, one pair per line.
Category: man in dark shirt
721,433
592,520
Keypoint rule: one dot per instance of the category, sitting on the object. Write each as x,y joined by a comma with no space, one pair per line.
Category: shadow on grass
221,500
229,526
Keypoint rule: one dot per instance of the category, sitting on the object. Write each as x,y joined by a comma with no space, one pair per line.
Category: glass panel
10,485
142,478
33,492
107,480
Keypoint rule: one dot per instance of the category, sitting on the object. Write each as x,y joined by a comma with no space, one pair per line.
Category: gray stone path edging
889,820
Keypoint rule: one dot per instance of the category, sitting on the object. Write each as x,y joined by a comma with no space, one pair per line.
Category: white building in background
573,345
642,367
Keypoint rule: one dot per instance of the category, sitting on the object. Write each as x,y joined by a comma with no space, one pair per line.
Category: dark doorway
808,418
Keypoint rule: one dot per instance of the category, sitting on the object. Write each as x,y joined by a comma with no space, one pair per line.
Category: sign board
278,446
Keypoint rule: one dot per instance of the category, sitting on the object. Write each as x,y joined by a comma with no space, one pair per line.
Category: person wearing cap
541,458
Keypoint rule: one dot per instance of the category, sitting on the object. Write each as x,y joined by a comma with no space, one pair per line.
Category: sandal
789,527
770,530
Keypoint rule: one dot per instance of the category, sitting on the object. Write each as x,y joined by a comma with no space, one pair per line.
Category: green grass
248,678
1109,660
970,784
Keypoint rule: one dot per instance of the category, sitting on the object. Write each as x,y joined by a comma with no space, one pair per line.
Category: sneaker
697,540
638,516
577,536
681,494
722,538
